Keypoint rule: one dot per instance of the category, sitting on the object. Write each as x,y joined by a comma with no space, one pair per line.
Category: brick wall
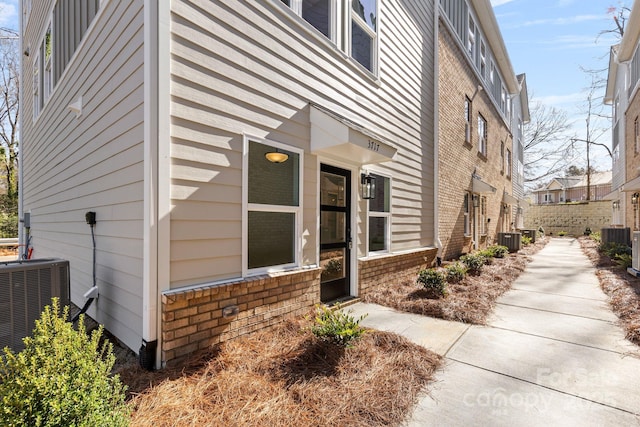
572,218
192,319
459,159
393,268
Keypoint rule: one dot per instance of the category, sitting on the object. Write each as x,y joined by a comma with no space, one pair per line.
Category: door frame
355,198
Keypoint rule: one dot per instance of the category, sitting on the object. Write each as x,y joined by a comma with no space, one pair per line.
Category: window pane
361,46
271,238
316,13
272,183
332,193
332,262
377,234
333,228
382,201
366,9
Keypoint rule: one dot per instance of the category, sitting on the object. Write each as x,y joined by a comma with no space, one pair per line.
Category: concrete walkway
552,354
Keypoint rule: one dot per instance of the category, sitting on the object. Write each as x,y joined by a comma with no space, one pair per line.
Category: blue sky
550,40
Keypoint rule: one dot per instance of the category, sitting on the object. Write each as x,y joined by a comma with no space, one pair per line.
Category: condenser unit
616,235
513,241
26,287
635,251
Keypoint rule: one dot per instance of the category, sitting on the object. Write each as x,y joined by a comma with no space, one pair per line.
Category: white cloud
564,21
9,14
496,3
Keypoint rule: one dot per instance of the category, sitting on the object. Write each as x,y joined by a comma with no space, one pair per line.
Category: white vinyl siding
93,163
252,68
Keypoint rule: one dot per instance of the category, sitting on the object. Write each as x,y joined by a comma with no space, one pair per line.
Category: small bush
525,240
562,233
623,260
61,378
496,251
612,249
474,262
433,281
595,236
336,326
455,272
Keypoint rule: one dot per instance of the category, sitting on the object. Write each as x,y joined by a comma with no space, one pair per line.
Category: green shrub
433,281
525,240
61,378
623,260
455,272
336,326
498,251
562,233
595,236
612,249
474,262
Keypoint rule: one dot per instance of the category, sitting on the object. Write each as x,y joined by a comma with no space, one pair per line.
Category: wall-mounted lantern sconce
616,205
368,186
476,201
276,156
635,198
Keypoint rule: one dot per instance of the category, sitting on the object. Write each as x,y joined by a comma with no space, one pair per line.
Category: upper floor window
471,37
636,134
482,135
357,24
508,166
502,163
467,119
36,86
364,18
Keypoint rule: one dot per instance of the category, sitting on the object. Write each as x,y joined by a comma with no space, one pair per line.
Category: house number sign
374,146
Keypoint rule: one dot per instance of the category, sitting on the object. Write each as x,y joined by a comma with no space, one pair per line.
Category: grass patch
470,300
287,376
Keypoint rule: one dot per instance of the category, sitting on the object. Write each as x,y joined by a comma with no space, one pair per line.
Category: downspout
21,237
148,349
436,135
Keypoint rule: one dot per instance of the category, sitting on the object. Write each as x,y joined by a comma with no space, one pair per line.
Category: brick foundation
192,319
394,268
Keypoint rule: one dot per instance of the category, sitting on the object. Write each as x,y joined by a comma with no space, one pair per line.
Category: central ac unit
635,251
26,287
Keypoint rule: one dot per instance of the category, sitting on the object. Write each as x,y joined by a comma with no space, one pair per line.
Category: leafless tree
9,109
548,149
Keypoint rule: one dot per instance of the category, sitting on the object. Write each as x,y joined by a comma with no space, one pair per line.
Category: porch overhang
338,137
509,199
632,185
481,187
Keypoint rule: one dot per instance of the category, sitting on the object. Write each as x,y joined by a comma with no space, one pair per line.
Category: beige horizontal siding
93,163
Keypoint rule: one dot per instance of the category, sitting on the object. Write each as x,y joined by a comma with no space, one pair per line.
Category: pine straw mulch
622,289
469,301
285,376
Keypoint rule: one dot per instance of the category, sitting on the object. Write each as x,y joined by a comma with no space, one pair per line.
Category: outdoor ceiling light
368,186
276,156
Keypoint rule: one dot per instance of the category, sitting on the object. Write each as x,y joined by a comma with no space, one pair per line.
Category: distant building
574,189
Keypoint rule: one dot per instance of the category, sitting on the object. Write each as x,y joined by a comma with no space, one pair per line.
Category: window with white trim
36,86
482,135
46,52
467,119
380,215
351,25
272,197
636,134
471,37
483,60
467,213
502,162
508,166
